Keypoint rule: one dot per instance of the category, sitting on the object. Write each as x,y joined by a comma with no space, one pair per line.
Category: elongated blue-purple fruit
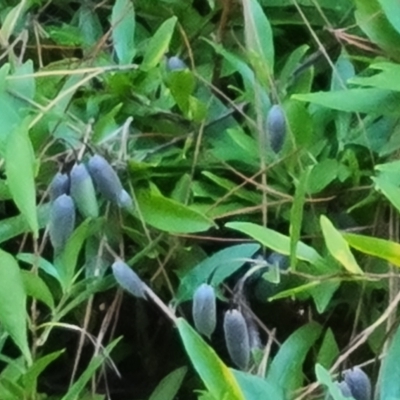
125,200
280,260
62,221
128,279
359,383
105,178
344,390
82,191
237,338
276,127
58,186
174,63
204,310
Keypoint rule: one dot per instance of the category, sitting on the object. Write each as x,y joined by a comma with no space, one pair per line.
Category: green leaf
381,248
258,34
216,376
41,262
123,30
170,216
169,386
324,378
217,267
256,388
391,9
338,246
322,175
329,350
389,382
14,226
388,189
13,303
286,369
158,44
31,376
296,215
96,362
276,241
35,287
67,260
20,170
388,78
372,101
373,21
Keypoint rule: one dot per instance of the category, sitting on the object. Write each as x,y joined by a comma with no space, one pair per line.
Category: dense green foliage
244,148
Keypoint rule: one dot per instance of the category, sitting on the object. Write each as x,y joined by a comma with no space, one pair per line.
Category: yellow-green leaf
338,246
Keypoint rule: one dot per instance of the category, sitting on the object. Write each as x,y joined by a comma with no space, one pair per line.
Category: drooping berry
58,186
204,310
62,221
82,191
276,127
105,178
359,383
128,279
237,338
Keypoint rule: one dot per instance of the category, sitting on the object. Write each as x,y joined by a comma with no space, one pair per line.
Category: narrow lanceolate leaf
204,310
385,249
83,193
258,32
216,376
159,44
389,382
62,222
13,303
338,246
20,170
123,30
128,279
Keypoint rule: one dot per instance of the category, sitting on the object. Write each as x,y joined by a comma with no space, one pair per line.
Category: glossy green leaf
14,226
338,246
13,303
276,241
216,268
256,388
66,262
381,248
158,44
170,216
387,78
391,9
296,214
329,350
258,33
36,288
169,386
373,21
324,377
123,30
389,382
20,170
390,190
216,376
30,378
286,369
369,100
